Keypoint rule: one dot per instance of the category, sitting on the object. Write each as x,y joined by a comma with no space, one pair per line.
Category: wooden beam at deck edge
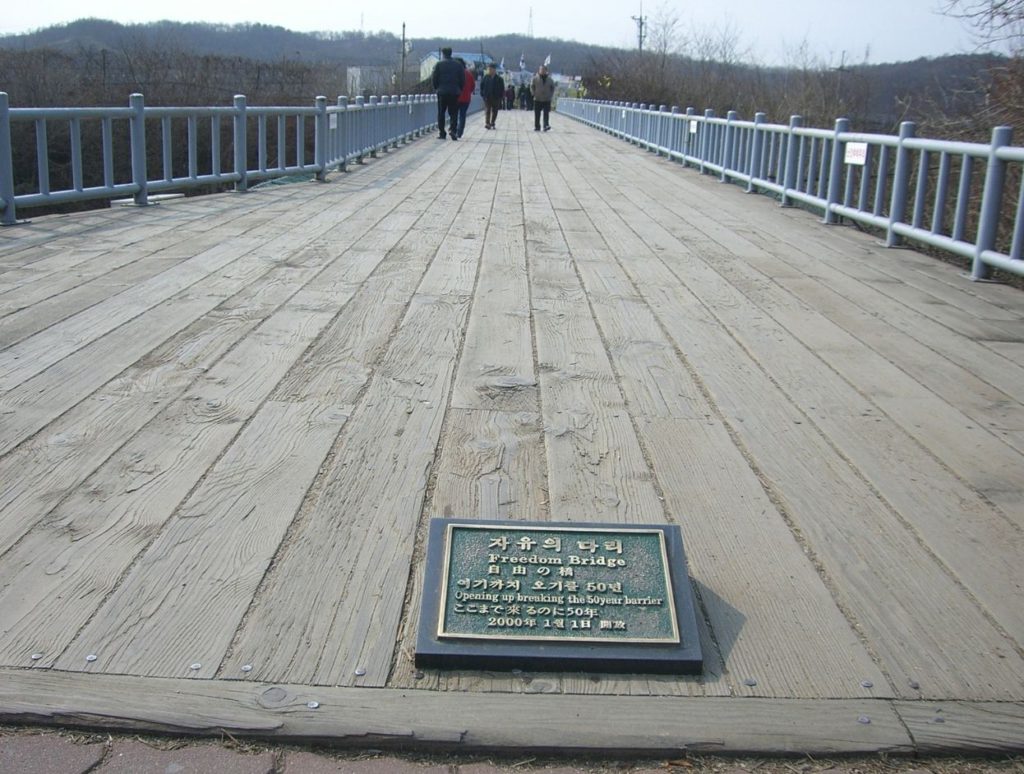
421,720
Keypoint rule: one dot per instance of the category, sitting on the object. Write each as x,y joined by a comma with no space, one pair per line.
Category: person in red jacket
464,98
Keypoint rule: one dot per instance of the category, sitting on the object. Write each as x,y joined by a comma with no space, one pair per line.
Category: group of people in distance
455,83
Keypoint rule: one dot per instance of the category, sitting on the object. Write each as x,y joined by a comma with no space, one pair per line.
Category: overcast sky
878,30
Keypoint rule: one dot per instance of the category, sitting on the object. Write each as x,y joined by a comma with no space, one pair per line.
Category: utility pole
401,73
641,33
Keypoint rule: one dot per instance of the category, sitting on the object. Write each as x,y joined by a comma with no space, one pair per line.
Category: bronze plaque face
556,583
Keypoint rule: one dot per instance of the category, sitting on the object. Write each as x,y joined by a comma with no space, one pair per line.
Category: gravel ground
25,750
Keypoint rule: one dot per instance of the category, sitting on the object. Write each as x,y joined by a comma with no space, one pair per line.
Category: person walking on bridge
466,96
492,89
448,79
543,90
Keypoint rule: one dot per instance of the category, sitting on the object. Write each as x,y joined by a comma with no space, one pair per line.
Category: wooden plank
32,356
496,368
32,319
181,601
969,727
525,724
27,408
491,466
151,634
975,541
45,468
342,279
346,632
815,486
37,401
57,575
596,467
757,611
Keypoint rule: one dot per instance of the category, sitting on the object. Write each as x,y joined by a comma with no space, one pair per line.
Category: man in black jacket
447,79
492,89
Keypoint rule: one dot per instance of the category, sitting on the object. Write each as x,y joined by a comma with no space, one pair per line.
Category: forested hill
268,43
93,61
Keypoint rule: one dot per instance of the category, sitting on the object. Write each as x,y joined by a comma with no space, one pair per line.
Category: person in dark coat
448,79
492,89
510,97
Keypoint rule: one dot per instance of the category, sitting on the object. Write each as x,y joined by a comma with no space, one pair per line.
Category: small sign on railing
856,154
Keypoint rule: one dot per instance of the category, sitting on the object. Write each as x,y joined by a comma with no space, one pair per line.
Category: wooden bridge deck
225,421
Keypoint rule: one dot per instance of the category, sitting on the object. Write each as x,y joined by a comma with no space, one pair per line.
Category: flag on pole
547,61
522,62
502,65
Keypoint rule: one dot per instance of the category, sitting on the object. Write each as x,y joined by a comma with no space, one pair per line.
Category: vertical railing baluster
963,197
991,202
882,179
1017,245
240,134
165,148
792,142
342,132
835,172
320,139
107,132
138,142
193,147
75,128
900,182
921,189
8,216
941,194
865,180
42,156
215,144
730,143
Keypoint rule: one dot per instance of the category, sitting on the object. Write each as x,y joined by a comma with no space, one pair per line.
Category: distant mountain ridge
264,42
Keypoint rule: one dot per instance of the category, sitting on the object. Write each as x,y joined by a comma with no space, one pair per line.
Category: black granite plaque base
488,607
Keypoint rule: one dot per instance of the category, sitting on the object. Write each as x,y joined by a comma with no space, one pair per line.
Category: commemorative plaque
557,596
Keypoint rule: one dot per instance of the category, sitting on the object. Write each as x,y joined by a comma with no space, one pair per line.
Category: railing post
664,126
320,139
241,162
991,202
138,141
730,143
675,123
689,133
789,179
900,180
372,122
835,170
341,138
361,134
705,139
8,216
756,151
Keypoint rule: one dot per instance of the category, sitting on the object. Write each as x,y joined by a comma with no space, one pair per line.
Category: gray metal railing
949,195
241,144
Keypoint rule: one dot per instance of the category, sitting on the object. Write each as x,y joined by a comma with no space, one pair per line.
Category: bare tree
994,21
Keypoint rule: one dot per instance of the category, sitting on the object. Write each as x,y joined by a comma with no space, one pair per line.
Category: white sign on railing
856,153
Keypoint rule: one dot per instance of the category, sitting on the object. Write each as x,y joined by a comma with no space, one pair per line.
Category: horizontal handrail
111,150
951,195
